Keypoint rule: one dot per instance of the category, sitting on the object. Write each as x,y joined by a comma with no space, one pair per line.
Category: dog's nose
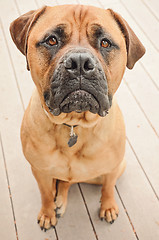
80,63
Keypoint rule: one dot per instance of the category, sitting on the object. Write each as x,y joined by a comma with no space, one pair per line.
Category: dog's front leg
109,208
47,215
61,198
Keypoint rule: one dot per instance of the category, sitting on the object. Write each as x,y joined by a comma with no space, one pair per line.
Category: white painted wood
46,2
90,2
25,6
6,216
144,18
63,2
139,199
153,6
108,3
23,77
120,229
75,223
146,94
141,136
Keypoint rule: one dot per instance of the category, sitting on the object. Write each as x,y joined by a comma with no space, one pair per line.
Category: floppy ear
20,28
135,49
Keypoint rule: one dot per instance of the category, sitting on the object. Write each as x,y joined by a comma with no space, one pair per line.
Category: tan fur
98,155
87,159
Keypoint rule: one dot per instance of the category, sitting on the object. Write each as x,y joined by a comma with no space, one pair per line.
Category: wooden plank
139,199
108,3
146,20
120,229
46,2
90,2
146,94
23,78
153,6
25,6
75,223
6,216
63,2
151,58
141,136
26,200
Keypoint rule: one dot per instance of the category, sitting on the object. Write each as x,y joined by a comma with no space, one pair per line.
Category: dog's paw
61,204
109,210
46,221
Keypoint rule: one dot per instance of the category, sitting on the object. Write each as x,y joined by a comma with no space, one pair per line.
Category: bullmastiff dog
73,130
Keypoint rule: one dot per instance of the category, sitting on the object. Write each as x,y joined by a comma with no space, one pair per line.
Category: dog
73,130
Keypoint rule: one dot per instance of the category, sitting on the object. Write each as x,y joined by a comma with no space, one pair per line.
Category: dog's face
77,55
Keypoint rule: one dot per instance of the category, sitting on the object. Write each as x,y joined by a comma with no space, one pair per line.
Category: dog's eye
52,41
105,43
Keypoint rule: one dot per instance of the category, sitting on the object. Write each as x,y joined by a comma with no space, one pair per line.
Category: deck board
120,230
137,80
141,136
6,216
76,221
25,6
146,20
137,191
139,199
23,77
153,6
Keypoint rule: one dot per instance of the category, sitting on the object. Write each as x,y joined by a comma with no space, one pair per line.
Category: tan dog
77,56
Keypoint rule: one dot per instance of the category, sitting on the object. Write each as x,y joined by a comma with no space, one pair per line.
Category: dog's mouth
79,101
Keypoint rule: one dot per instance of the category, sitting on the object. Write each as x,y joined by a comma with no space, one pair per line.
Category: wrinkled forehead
68,19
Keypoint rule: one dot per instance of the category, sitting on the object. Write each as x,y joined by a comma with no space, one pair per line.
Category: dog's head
77,55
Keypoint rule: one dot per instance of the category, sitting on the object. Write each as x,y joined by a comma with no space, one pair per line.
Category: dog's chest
88,158
77,164
74,168
85,160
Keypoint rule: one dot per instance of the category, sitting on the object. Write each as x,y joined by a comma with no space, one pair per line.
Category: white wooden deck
137,191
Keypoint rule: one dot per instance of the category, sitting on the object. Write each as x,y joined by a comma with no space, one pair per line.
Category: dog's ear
135,49
20,28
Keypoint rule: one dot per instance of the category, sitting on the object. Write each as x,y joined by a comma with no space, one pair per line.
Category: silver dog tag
73,138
